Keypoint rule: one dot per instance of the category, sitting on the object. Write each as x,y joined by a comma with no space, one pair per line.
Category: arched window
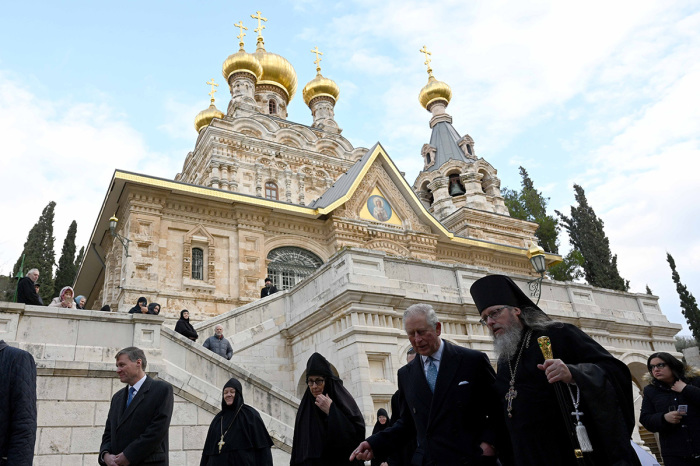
272,107
197,264
289,265
271,191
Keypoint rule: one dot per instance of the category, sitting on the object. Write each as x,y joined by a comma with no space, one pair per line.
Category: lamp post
113,231
539,263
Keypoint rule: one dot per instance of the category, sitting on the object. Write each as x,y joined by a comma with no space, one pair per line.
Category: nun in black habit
329,425
237,435
381,424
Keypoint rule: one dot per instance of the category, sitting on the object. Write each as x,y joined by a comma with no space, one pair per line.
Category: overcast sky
602,94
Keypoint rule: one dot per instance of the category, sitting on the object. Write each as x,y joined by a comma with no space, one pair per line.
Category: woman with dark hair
329,425
671,407
381,424
153,309
183,326
237,435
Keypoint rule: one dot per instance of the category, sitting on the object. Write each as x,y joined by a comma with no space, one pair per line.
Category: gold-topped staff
424,50
212,84
318,59
242,34
579,436
260,25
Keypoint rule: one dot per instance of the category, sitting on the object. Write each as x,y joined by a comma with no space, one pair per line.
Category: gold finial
427,59
318,60
260,25
212,84
242,34
546,347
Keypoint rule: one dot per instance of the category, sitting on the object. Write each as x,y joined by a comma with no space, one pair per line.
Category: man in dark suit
137,425
26,289
268,289
447,401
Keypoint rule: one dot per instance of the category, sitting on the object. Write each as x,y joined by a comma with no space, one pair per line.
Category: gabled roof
444,138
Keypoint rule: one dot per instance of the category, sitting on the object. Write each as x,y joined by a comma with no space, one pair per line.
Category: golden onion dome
277,71
433,91
204,118
320,86
242,62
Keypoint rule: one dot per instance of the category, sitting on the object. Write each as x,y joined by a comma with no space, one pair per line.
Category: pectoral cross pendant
510,396
221,443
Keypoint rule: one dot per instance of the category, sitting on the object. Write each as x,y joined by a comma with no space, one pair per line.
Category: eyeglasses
317,382
493,315
660,365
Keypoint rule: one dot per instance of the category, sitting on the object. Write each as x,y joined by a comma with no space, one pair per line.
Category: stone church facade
346,239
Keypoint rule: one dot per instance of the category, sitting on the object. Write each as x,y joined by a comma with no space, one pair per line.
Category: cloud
64,151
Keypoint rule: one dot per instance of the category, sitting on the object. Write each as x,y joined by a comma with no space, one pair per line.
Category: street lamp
113,230
539,263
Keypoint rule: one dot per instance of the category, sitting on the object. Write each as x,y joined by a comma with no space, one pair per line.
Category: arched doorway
289,265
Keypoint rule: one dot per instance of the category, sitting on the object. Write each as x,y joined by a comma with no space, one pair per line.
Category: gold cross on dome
260,25
427,57
212,84
318,59
241,27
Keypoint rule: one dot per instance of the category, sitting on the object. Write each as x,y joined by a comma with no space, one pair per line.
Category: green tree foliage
79,259
65,275
685,342
529,204
587,235
39,253
569,269
689,305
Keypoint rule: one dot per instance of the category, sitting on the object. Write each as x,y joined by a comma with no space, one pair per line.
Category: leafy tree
65,275
570,268
689,305
586,235
529,204
39,253
685,342
649,290
79,260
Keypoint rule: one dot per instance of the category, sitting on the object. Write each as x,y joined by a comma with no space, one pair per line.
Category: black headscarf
137,309
152,309
247,429
312,441
183,326
378,426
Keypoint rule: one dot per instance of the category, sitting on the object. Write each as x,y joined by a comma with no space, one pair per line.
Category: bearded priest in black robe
589,380
237,435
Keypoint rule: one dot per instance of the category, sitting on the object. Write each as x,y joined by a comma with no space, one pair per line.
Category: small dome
320,86
203,118
242,62
277,71
433,91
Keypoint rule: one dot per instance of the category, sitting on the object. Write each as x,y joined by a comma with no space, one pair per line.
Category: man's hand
673,417
144,310
109,459
487,449
362,452
556,371
324,403
678,386
121,460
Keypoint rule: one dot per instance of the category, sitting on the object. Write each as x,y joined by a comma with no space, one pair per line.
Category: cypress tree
689,305
65,275
39,253
529,204
587,235
79,260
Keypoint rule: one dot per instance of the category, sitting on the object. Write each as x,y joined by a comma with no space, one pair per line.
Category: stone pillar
288,185
301,188
214,177
233,177
442,201
258,180
224,176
